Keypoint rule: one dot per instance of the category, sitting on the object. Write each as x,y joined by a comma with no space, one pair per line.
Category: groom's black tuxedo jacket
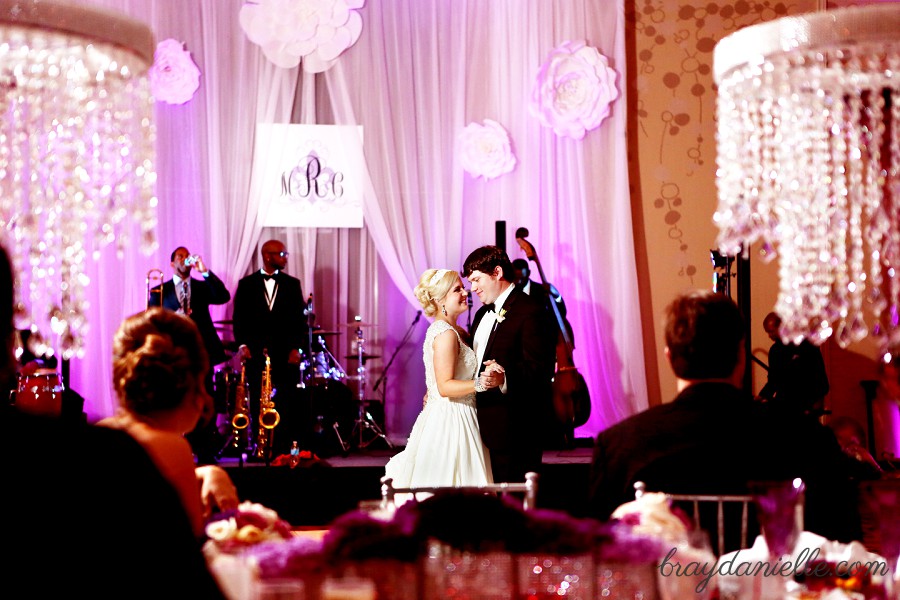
525,346
204,292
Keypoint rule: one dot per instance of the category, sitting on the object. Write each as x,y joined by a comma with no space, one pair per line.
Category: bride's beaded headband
437,277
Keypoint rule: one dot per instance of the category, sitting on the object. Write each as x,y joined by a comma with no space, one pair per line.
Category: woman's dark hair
158,359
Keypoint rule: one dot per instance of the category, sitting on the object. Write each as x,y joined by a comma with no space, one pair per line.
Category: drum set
352,424
39,392
333,419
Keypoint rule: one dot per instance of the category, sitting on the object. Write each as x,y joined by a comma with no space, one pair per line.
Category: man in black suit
714,438
269,317
512,329
797,380
522,279
193,297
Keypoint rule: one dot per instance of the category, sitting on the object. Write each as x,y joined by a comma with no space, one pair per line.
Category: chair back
529,488
720,515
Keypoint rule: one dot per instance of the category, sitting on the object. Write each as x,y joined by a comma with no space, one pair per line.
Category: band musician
269,316
545,292
192,297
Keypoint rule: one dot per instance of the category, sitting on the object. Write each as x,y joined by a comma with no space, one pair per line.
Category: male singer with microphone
193,297
269,316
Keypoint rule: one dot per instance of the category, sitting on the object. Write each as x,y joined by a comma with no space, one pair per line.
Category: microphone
384,371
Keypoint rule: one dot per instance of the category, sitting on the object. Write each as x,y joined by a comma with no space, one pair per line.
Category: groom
513,329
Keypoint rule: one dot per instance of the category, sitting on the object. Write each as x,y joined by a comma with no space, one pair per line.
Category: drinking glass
882,499
280,589
779,508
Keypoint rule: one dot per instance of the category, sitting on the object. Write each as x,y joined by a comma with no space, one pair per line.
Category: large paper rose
573,90
485,151
174,77
317,31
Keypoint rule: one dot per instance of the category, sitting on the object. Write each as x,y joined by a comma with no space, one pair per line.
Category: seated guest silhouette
797,379
92,494
713,437
159,366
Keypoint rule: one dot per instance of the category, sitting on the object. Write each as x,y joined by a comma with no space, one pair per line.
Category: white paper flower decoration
573,90
485,150
317,31
174,77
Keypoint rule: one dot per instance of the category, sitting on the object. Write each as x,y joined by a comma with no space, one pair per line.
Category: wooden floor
317,491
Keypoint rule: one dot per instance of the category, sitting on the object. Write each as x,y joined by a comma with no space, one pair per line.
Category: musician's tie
185,298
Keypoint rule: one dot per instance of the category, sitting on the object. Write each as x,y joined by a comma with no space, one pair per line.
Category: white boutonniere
501,316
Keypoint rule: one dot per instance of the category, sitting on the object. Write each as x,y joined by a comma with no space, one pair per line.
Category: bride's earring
444,310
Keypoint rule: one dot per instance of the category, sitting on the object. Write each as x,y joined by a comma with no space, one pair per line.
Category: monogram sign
309,175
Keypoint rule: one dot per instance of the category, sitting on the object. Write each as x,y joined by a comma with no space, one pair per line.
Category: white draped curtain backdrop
419,73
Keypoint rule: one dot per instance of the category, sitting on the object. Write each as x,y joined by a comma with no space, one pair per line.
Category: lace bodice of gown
466,362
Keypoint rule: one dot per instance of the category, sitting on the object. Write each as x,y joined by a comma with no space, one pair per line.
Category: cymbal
357,324
365,357
323,332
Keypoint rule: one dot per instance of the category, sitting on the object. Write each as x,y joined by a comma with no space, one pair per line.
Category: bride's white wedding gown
444,447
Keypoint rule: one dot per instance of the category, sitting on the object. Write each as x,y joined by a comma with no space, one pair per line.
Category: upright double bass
571,399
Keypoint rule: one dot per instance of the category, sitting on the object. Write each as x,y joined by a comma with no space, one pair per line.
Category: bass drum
40,393
333,411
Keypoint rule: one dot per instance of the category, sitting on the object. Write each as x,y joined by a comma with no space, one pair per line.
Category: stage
315,492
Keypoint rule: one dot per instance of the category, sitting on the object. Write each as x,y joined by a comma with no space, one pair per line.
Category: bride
445,447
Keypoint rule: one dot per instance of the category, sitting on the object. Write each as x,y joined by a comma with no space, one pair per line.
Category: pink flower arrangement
246,526
316,31
174,77
485,150
573,90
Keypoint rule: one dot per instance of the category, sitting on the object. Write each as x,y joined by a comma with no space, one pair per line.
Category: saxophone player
268,315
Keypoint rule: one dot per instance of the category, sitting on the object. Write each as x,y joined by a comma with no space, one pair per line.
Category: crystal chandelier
76,154
808,162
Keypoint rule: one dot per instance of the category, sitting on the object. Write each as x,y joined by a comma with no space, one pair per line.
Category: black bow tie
490,307
267,277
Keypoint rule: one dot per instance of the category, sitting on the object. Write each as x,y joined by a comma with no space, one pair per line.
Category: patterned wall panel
672,139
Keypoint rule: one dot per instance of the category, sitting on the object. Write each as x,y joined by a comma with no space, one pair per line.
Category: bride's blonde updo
433,286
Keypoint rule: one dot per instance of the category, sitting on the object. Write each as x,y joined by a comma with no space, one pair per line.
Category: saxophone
268,416
241,419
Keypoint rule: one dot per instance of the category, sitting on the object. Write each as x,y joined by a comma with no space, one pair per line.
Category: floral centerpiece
248,524
456,541
652,514
232,535
469,541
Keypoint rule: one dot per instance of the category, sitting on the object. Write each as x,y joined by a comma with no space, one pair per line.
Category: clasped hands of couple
493,375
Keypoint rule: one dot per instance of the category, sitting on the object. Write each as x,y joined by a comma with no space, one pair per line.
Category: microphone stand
469,315
394,355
